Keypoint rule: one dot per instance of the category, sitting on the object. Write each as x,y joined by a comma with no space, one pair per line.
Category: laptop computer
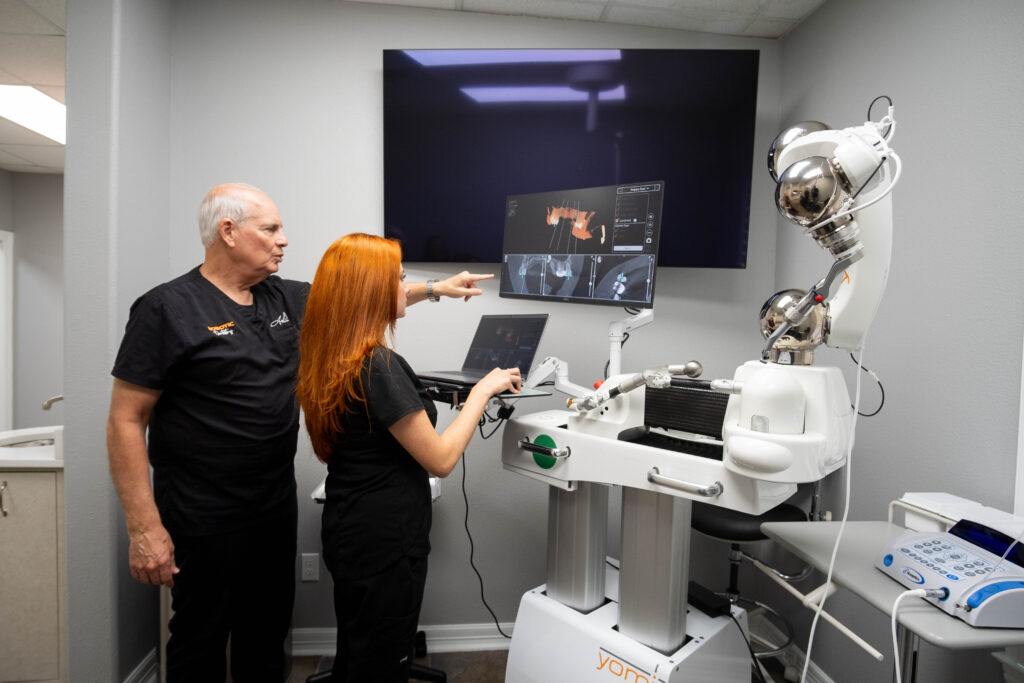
501,341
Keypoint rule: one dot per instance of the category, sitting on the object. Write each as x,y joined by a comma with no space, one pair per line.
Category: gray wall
116,236
166,99
947,339
39,292
31,206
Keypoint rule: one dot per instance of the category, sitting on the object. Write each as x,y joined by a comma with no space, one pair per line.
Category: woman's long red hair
351,309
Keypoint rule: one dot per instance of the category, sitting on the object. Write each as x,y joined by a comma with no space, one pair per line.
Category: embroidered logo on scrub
280,320
221,330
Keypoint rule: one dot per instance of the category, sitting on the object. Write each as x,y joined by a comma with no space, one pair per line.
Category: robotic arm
658,378
836,185
787,420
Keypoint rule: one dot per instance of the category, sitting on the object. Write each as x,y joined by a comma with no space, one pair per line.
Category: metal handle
3,487
527,445
655,477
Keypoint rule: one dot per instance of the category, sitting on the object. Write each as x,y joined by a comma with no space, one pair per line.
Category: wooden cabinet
33,646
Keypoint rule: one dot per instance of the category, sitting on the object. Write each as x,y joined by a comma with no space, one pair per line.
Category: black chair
736,528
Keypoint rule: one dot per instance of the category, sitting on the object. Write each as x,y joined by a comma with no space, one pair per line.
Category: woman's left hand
463,284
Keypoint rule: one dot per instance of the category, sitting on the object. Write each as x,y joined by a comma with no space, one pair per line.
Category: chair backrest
692,407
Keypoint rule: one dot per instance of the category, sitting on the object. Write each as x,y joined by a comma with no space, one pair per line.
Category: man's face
259,238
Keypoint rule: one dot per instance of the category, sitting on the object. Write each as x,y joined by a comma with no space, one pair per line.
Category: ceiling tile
13,134
660,4
768,28
10,79
17,17
789,9
740,6
54,91
40,155
52,10
6,158
555,9
678,19
729,24
33,58
431,4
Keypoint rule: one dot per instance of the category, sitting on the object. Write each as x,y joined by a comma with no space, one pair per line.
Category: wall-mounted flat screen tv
464,129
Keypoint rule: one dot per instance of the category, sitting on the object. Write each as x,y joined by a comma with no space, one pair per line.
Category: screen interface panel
595,245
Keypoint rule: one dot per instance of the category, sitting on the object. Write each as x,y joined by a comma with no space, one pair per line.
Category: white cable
846,512
897,172
918,593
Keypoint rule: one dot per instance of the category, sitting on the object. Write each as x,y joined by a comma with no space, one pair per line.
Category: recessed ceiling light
518,56
538,93
27,107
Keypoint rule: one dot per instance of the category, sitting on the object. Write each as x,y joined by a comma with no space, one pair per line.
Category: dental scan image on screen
595,245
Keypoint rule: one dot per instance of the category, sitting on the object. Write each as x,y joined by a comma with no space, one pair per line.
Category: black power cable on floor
753,657
465,497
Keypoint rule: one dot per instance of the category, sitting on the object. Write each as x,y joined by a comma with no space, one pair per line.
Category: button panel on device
947,559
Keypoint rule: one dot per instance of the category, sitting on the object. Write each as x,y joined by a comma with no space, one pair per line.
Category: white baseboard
148,670
312,642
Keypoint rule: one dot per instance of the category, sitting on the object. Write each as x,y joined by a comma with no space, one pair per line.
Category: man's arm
461,285
151,551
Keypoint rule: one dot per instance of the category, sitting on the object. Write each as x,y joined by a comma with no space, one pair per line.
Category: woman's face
403,293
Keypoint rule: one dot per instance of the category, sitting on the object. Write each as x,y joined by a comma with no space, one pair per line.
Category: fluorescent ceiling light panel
464,57
538,93
29,108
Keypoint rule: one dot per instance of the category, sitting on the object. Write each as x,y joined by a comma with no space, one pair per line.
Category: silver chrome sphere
801,339
797,130
808,191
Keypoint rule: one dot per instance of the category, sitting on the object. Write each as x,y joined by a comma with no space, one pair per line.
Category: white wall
947,340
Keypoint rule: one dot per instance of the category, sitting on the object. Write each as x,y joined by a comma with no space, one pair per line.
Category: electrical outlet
310,567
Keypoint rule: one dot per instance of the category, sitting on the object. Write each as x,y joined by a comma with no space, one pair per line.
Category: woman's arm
461,285
438,453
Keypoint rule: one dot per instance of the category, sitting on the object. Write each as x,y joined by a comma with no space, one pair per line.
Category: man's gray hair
230,201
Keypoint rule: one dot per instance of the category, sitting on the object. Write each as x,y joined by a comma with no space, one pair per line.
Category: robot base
552,642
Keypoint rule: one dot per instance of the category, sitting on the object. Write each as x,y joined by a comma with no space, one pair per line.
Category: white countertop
27,449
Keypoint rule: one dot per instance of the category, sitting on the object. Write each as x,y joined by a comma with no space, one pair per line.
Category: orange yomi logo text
620,669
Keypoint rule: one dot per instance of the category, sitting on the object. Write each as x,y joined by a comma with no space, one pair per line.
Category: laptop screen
504,341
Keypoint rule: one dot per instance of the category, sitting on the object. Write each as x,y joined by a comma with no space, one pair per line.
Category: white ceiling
32,45
31,53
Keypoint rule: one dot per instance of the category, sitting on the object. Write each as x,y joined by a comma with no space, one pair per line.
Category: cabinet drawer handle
3,487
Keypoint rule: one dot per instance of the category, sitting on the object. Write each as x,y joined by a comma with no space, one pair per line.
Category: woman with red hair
371,421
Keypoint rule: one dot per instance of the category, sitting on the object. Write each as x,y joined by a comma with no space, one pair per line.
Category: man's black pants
240,584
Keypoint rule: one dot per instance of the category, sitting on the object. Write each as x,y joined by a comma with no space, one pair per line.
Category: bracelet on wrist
431,296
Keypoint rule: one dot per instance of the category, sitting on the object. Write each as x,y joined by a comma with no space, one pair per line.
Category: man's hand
463,284
151,556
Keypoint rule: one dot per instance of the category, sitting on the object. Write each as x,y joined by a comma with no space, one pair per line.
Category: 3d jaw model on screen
576,219
787,419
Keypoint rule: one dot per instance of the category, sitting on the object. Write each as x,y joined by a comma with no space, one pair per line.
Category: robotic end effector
829,183
796,345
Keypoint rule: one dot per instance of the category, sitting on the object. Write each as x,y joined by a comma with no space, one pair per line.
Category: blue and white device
981,568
